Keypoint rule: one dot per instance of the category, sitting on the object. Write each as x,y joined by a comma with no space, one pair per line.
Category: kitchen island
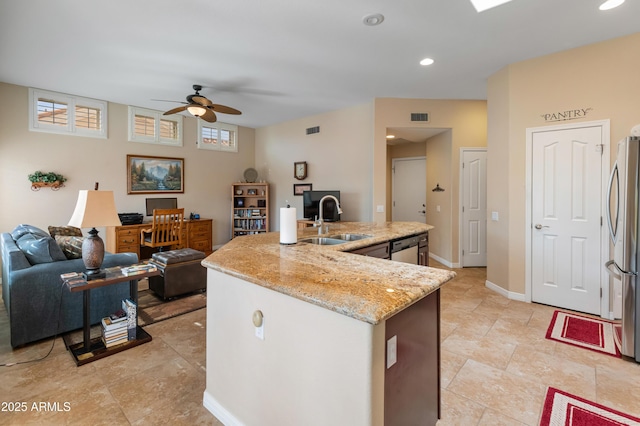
311,334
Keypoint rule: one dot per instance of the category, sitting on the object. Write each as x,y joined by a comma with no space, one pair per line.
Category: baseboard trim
219,411
506,293
444,261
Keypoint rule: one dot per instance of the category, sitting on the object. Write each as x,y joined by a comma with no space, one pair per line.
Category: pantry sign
571,114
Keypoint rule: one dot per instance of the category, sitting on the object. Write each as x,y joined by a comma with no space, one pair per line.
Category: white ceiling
279,60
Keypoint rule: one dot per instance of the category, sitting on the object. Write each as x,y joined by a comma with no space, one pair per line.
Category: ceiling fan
199,106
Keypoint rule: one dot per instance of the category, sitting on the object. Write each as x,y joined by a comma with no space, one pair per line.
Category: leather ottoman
181,272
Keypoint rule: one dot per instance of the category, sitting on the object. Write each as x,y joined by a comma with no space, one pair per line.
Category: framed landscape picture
154,175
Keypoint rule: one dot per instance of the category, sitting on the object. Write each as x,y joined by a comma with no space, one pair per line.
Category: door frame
605,165
393,177
461,200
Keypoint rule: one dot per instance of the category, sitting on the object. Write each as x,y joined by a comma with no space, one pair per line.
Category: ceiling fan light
196,110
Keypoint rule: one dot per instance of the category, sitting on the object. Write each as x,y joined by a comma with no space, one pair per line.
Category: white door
474,207
409,190
566,215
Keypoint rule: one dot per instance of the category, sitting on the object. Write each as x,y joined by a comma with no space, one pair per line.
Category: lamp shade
95,208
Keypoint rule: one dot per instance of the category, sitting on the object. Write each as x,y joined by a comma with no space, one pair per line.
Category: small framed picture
299,188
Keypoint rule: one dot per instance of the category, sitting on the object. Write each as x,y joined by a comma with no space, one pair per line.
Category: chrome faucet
319,222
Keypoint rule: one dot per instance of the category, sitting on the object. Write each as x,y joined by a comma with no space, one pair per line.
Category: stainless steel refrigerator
622,218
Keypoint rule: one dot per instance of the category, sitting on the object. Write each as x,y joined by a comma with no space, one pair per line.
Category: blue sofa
32,289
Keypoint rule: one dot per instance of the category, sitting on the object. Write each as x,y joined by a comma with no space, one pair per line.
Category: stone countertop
361,287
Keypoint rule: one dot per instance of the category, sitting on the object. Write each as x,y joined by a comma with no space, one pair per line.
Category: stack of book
138,269
114,329
73,279
131,309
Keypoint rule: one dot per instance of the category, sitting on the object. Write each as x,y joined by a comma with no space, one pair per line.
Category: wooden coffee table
93,349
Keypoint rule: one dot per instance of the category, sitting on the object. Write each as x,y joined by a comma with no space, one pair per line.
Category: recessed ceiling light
391,136
482,5
426,61
373,19
610,4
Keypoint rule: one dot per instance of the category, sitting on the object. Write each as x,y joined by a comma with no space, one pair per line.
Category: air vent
313,130
419,116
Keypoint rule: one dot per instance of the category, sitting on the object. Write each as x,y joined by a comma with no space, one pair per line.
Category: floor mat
152,308
562,408
585,332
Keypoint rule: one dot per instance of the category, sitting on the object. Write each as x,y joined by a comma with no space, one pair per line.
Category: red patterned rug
585,332
564,409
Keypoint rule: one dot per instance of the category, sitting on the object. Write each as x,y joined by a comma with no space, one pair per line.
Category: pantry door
567,183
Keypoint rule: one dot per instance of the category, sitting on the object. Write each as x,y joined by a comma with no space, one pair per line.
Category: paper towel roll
288,226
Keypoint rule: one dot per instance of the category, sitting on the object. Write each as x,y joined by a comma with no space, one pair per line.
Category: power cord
53,342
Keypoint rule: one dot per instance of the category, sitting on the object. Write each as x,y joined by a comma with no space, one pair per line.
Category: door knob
538,226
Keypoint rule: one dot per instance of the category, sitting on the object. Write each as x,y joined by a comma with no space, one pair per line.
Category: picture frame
148,174
299,188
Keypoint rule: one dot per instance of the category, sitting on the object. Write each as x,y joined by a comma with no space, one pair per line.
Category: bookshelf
250,208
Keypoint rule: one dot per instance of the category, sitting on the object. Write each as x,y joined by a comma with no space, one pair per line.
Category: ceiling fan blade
167,100
225,109
209,116
201,100
175,110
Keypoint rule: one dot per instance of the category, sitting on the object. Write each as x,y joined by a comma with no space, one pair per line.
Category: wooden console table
93,349
126,238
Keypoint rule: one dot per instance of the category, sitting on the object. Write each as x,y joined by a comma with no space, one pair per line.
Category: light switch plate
494,216
392,351
380,209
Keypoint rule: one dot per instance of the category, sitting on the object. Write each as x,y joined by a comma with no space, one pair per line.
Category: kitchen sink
323,241
350,237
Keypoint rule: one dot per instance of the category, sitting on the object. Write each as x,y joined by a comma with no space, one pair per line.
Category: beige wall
498,178
601,76
208,174
468,121
440,170
339,157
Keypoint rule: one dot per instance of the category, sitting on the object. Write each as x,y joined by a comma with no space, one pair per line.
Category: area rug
585,332
152,308
562,408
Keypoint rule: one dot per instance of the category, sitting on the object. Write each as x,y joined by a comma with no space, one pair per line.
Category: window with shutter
217,136
60,113
149,126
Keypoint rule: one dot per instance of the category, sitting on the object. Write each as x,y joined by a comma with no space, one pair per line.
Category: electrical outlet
392,351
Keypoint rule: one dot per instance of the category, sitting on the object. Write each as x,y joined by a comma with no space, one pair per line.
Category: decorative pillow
65,230
40,249
24,229
70,245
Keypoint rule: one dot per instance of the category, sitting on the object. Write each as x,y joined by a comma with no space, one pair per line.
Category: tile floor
496,366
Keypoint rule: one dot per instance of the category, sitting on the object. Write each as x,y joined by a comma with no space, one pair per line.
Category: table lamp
94,208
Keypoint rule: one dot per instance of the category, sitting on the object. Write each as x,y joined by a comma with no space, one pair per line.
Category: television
311,204
160,203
